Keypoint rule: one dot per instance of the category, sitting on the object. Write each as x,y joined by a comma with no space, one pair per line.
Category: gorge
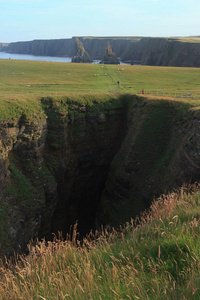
97,160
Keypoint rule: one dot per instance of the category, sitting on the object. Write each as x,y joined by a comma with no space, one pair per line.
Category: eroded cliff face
99,163
27,186
53,169
160,152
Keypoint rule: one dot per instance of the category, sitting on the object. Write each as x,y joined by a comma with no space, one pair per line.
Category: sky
25,20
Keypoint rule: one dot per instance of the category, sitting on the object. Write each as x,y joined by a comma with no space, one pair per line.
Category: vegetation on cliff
81,56
109,57
156,257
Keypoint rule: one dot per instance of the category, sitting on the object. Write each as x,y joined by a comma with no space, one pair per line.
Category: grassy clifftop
30,80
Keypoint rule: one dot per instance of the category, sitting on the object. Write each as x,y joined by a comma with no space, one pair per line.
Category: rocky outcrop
109,57
81,56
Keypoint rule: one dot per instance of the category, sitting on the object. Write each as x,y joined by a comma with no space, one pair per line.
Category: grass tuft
154,257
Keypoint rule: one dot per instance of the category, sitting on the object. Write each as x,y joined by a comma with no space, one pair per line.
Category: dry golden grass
154,257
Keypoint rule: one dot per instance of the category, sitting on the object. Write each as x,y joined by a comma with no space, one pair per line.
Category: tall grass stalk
155,256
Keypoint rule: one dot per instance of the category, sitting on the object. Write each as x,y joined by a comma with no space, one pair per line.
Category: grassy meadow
19,79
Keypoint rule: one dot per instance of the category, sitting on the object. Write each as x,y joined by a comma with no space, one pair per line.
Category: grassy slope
157,259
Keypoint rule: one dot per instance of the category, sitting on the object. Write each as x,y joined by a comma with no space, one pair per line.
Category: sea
65,59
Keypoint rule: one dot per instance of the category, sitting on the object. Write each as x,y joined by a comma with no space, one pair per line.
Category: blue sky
23,20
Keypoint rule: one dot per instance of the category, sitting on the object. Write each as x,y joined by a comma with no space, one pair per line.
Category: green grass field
32,78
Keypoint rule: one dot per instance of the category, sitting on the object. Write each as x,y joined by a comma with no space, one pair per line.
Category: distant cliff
63,47
147,51
166,52
3,46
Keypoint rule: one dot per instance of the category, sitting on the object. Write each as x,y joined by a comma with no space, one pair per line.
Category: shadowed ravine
91,139
96,164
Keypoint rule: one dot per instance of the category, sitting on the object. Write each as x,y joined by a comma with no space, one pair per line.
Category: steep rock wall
160,152
162,52
95,162
62,47
27,187
53,169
